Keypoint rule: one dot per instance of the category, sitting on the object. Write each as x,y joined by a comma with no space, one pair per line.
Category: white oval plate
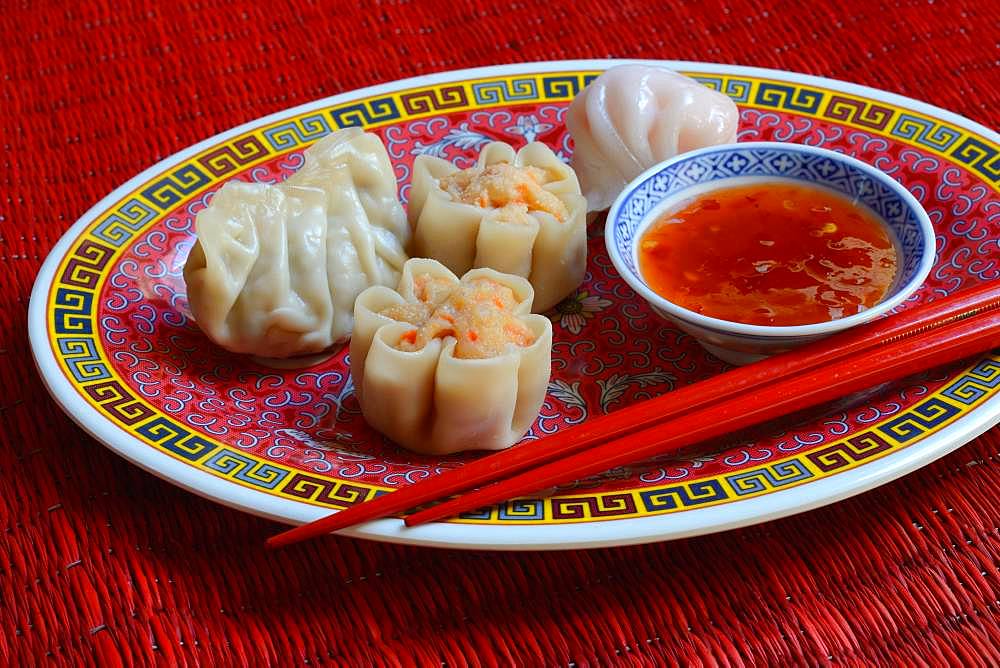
108,295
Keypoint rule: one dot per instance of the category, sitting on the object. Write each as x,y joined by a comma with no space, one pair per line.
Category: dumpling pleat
632,117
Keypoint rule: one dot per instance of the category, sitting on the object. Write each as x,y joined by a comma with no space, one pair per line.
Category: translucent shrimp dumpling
276,268
443,365
634,116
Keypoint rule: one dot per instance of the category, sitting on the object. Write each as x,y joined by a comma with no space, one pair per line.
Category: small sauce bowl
665,185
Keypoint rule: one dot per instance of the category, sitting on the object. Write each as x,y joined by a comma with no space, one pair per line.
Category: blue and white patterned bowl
667,183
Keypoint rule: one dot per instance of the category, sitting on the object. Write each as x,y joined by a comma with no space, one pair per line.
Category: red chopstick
895,360
644,414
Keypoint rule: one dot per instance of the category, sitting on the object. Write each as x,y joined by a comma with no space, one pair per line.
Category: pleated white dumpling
443,365
277,268
519,213
634,116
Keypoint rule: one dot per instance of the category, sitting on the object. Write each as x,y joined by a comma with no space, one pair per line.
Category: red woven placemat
102,563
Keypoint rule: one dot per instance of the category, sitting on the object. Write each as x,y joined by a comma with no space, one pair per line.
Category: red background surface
100,562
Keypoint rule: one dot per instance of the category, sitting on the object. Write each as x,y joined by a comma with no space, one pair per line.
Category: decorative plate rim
691,522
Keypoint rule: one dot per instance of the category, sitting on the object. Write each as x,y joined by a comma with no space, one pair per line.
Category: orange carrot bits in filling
480,290
478,314
518,334
432,289
514,190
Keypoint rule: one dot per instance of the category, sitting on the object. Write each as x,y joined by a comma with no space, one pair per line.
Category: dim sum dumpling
519,213
634,116
276,268
443,365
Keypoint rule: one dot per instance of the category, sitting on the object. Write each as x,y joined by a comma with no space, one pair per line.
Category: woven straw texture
101,563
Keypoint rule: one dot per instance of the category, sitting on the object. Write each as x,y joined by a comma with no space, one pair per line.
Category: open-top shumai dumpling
277,268
444,365
519,213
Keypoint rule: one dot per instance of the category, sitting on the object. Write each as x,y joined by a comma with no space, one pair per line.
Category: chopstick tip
278,541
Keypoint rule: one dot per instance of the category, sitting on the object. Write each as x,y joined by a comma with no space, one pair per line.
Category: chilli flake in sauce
769,253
